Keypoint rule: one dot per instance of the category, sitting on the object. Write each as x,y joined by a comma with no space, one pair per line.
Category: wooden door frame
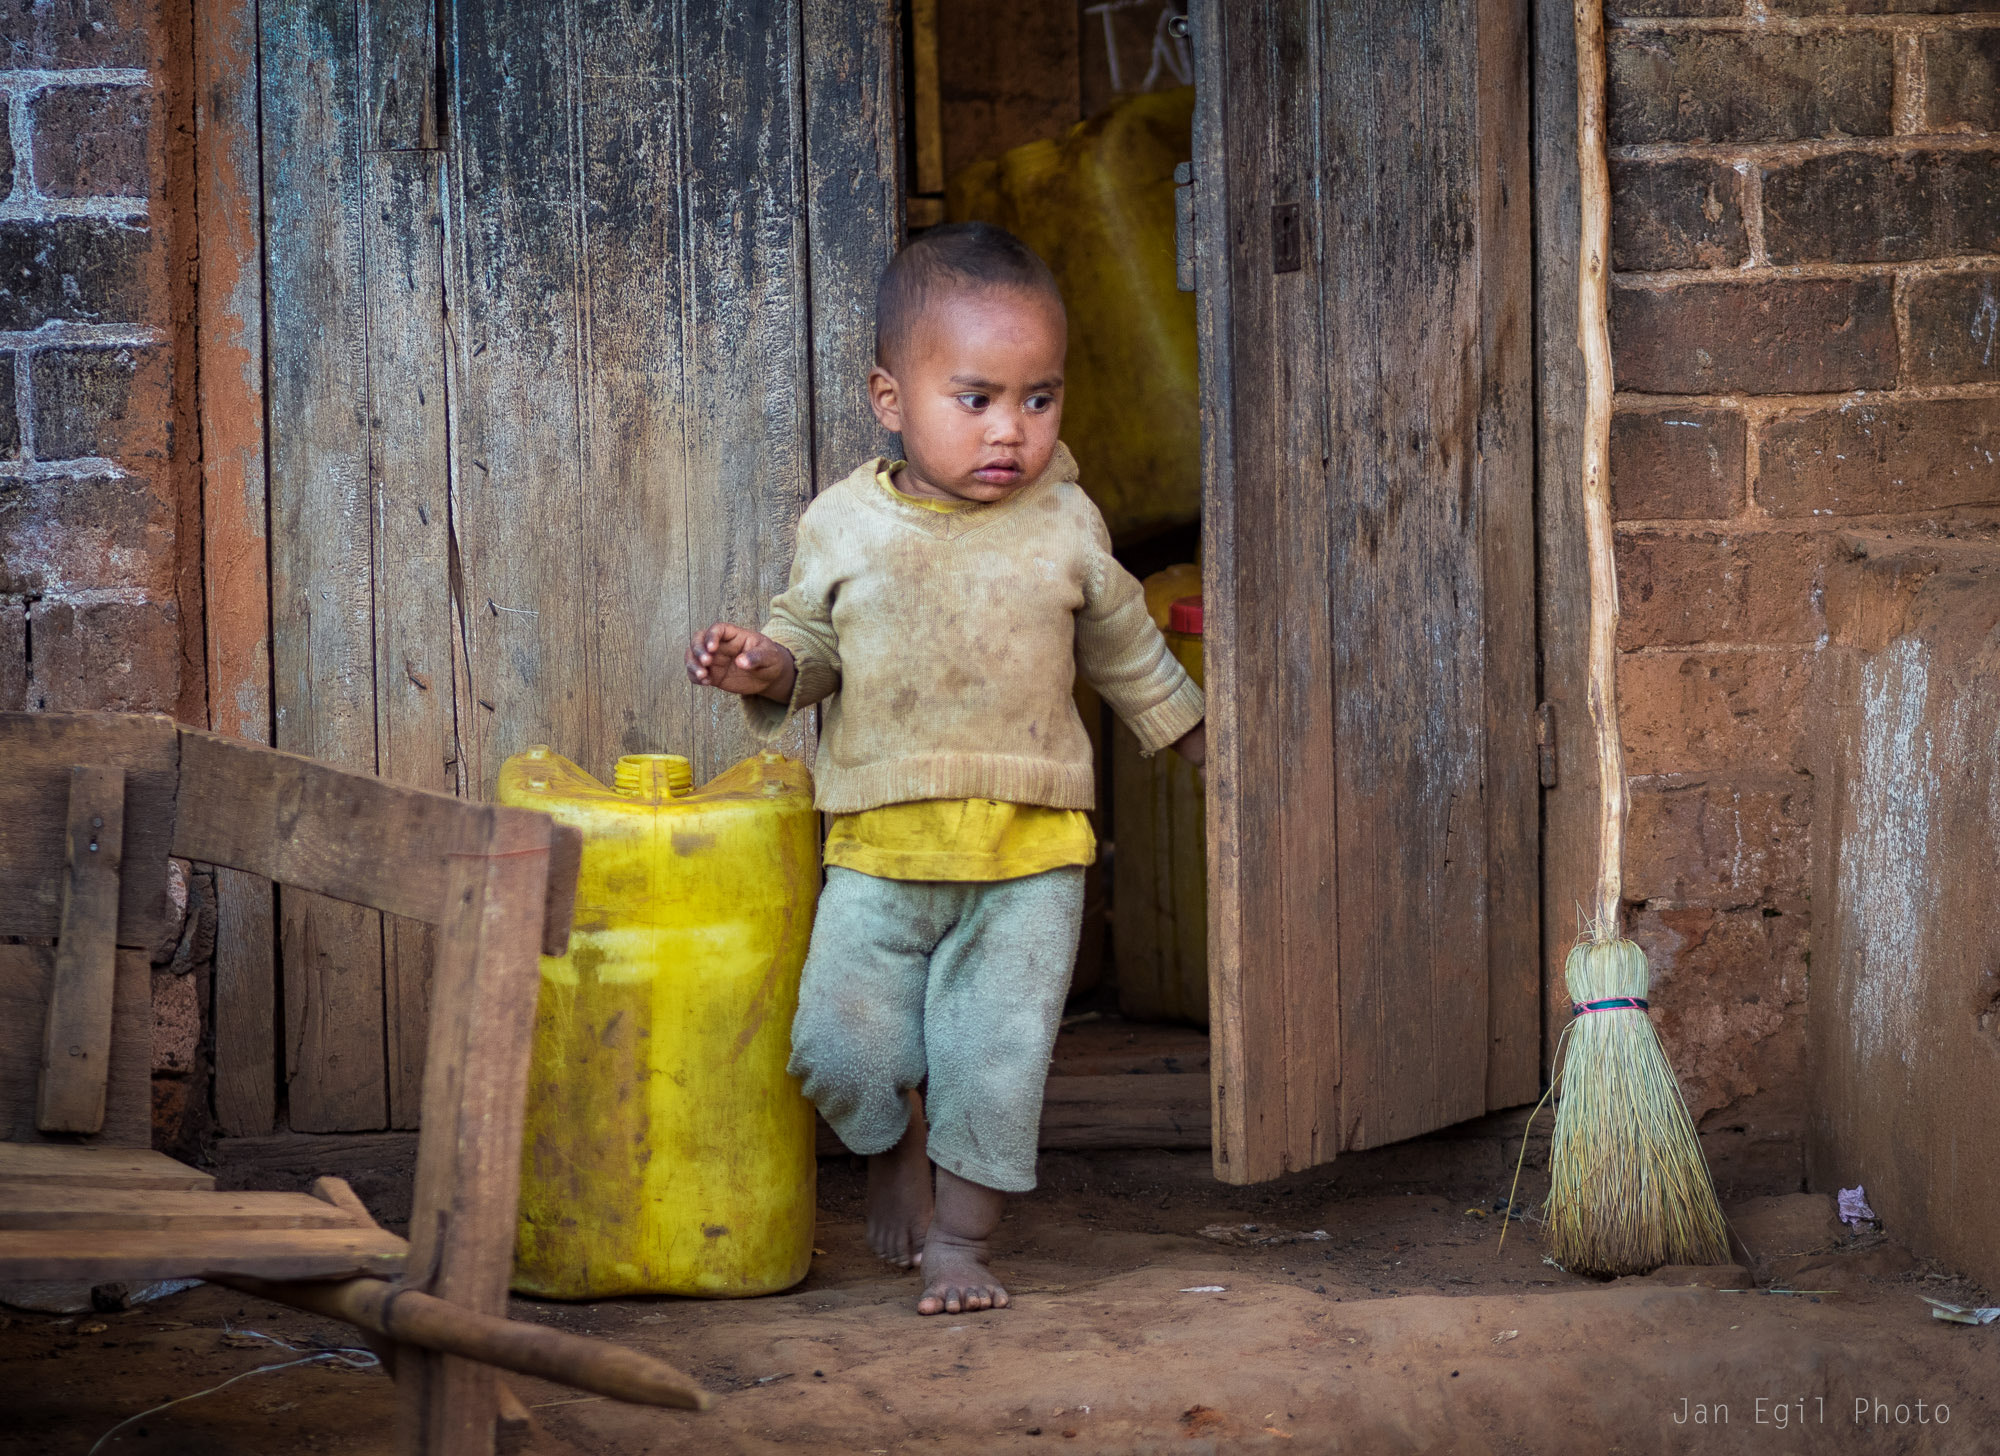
1570,792
1273,1030
235,516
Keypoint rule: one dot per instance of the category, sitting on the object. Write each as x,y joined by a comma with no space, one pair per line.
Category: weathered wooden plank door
569,310
1363,266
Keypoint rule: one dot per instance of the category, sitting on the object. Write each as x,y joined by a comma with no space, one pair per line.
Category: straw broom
1630,1190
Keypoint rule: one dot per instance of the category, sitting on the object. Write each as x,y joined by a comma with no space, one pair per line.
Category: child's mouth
999,472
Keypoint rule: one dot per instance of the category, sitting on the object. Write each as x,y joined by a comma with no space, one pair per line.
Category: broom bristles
1629,1187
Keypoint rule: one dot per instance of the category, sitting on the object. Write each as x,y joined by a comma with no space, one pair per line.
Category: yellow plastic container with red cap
667,1150
1160,857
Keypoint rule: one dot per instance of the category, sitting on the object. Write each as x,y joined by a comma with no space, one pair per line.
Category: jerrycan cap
1184,616
653,776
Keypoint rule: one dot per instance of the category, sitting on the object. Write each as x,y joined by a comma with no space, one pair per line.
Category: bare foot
956,1279
899,1194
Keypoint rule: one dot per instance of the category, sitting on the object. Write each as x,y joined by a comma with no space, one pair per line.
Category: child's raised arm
738,660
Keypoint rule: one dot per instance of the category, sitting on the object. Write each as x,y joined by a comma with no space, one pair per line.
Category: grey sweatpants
958,984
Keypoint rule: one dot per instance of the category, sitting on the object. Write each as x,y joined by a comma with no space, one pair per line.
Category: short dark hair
957,257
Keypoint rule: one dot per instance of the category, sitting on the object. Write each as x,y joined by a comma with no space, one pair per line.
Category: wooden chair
91,807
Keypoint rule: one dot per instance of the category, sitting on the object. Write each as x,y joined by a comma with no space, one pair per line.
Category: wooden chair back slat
339,834
37,751
76,1039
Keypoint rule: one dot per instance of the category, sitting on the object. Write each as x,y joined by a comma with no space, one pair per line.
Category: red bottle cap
1184,616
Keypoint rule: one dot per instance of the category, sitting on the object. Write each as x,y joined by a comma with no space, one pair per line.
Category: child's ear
884,399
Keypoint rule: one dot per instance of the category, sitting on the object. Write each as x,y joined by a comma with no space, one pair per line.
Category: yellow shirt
957,839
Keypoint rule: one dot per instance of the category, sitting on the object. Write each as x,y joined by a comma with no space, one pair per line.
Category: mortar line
1746,273
1745,527
52,209
1635,402
1734,649
80,468
1797,25
1753,215
1910,93
1899,314
27,81
1801,149
100,596
59,332
24,408
20,134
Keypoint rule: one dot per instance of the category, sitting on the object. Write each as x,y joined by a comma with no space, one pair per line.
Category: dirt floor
1142,1325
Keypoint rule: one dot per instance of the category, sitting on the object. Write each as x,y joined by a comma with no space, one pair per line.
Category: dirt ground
1404,1329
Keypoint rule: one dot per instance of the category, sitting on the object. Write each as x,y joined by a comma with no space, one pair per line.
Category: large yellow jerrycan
667,1151
1160,867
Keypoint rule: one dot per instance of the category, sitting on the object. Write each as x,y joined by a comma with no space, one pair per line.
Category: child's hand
1193,746
743,662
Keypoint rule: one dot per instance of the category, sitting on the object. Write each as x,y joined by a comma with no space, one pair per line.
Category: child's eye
1039,403
973,401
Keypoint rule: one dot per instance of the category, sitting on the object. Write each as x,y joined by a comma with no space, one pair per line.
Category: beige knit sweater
949,644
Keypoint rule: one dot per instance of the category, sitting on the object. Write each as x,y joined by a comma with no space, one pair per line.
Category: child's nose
1003,426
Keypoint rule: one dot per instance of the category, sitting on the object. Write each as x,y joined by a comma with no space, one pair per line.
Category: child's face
977,394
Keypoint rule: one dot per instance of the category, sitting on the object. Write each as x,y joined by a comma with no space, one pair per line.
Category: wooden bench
91,807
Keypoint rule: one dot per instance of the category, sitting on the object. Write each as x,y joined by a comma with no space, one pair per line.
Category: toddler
941,606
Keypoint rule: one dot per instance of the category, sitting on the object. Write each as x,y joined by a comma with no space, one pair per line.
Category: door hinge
1184,226
1545,744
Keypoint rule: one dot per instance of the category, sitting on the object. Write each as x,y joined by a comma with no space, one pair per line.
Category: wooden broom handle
1593,337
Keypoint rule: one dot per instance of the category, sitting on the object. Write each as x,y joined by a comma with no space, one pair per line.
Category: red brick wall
99,505
1806,328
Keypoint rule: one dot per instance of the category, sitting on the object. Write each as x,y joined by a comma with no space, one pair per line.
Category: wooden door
1363,278
568,312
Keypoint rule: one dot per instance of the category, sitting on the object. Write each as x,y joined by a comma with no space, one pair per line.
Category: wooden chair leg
469,1157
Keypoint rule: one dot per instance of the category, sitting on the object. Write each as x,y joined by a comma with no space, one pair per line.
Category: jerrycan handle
654,776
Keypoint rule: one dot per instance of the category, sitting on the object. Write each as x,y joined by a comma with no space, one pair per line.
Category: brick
6,163
1788,337
1681,214
13,657
1676,464
1719,842
1729,997
1678,590
1744,86
176,1022
1704,712
72,268
60,34
109,403
70,534
1864,459
116,656
1962,80
10,423
1954,328
90,141
1855,208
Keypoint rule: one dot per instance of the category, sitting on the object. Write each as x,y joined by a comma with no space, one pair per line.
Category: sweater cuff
816,679
1168,722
